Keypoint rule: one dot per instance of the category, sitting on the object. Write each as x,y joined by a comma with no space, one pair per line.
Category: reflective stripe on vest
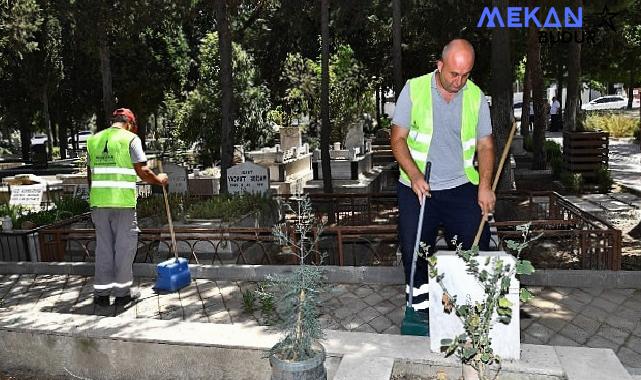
113,178
422,125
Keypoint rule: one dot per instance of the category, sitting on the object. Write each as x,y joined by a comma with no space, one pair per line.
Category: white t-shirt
554,108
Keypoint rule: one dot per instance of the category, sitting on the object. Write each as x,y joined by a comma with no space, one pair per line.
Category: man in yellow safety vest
444,118
116,160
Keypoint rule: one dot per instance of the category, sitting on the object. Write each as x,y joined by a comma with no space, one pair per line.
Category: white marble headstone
247,177
290,137
177,177
355,137
505,338
29,196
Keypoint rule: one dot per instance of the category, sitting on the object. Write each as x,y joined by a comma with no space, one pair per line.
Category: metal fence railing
572,239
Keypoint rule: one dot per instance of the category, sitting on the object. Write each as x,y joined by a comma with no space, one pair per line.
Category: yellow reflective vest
422,125
113,178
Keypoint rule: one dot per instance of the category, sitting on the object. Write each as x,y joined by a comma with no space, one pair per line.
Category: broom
506,150
173,274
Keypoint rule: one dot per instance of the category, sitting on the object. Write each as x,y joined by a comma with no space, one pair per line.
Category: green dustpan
414,322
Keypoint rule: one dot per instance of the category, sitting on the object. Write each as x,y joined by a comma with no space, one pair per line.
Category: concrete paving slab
595,364
368,367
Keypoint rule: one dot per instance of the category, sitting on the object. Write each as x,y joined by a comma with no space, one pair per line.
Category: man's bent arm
398,140
147,174
485,149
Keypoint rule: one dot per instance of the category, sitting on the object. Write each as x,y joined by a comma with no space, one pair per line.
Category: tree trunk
631,90
225,77
501,89
572,106
105,68
62,135
326,126
378,106
396,47
538,97
25,139
525,105
47,121
559,85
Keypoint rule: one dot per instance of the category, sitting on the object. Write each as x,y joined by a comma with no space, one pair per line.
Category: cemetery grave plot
571,238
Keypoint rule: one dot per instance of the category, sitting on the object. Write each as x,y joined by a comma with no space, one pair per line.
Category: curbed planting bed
97,347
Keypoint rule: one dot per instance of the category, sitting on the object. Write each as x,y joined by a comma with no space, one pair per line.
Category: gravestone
505,338
177,177
29,196
247,178
290,137
355,138
81,191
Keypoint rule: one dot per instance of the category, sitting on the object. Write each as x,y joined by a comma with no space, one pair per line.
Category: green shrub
553,157
230,207
617,126
11,211
637,133
572,181
64,208
527,143
603,179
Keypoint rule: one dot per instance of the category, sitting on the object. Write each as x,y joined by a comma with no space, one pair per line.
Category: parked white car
38,139
610,102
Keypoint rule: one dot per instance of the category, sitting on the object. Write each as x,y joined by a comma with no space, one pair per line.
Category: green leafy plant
554,157
527,143
573,181
249,301
297,295
604,179
11,211
617,126
473,346
230,207
64,208
267,306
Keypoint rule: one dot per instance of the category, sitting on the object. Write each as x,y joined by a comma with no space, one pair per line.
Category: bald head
455,65
458,49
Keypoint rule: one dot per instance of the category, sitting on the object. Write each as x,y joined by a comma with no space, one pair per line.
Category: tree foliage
198,117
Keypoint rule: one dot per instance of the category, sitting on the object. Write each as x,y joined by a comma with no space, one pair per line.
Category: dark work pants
456,209
556,123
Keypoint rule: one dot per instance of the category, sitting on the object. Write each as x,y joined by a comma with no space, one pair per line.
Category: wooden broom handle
506,150
168,211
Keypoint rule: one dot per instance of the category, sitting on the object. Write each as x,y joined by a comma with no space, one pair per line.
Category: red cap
125,112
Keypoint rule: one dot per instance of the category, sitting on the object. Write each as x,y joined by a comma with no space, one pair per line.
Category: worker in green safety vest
116,160
443,118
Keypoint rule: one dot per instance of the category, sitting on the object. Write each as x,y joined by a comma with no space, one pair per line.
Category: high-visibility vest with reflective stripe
422,125
113,178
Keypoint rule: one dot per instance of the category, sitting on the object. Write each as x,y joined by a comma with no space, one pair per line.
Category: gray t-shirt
136,151
446,151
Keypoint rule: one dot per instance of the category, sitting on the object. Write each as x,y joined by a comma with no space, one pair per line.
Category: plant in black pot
298,355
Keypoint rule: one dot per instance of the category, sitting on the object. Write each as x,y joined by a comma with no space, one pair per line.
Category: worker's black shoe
125,300
101,300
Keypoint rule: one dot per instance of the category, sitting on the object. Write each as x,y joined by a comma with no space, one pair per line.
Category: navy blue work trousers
456,209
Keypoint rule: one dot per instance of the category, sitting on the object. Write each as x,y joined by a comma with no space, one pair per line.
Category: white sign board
81,191
505,338
177,177
27,195
247,178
